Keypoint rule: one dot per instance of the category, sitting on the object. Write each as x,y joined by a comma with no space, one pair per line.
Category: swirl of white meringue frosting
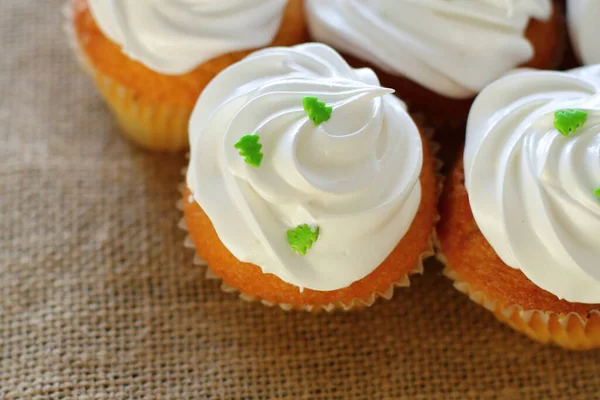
356,176
454,48
175,36
531,189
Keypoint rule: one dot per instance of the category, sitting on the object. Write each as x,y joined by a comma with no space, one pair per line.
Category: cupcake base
253,285
353,305
478,272
153,109
272,283
571,330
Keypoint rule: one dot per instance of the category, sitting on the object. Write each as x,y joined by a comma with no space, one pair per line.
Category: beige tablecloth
99,299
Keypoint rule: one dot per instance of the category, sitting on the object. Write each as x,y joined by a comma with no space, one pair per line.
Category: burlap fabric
99,299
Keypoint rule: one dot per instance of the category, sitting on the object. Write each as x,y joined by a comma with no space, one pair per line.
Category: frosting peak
175,36
355,177
530,187
412,38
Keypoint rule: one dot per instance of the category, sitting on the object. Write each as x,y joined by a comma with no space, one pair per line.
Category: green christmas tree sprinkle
317,111
250,149
597,193
567,121
302,238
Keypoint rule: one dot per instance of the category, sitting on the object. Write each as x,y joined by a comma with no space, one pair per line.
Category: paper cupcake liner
355,304
569,330
149,124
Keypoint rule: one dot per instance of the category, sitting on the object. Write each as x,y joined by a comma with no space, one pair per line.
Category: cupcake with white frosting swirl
152,58
309,185
438,54
521,212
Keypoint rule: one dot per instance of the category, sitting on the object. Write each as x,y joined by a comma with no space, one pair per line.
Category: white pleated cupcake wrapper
506,311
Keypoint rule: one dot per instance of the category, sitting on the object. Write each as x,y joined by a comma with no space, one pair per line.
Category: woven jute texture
99,299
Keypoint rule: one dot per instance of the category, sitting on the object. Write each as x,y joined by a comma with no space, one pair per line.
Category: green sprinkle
567,121
302,238
250,149
317,111
597,193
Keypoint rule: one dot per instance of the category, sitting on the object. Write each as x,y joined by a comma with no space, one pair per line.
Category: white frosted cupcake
309,185
521,212
439,54
152,58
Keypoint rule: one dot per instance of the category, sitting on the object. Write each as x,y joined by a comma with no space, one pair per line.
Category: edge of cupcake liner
82,59
434,147
506,311
80,56
69,30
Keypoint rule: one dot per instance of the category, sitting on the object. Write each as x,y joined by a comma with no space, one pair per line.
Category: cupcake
439,54
521,210
151,59
582,17
309,185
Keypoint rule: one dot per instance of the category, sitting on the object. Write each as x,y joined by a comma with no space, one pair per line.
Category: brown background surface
99,300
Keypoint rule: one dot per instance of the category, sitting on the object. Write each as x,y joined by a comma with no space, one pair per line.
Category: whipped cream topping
454,48
356,176
531,189
175,36
582,16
